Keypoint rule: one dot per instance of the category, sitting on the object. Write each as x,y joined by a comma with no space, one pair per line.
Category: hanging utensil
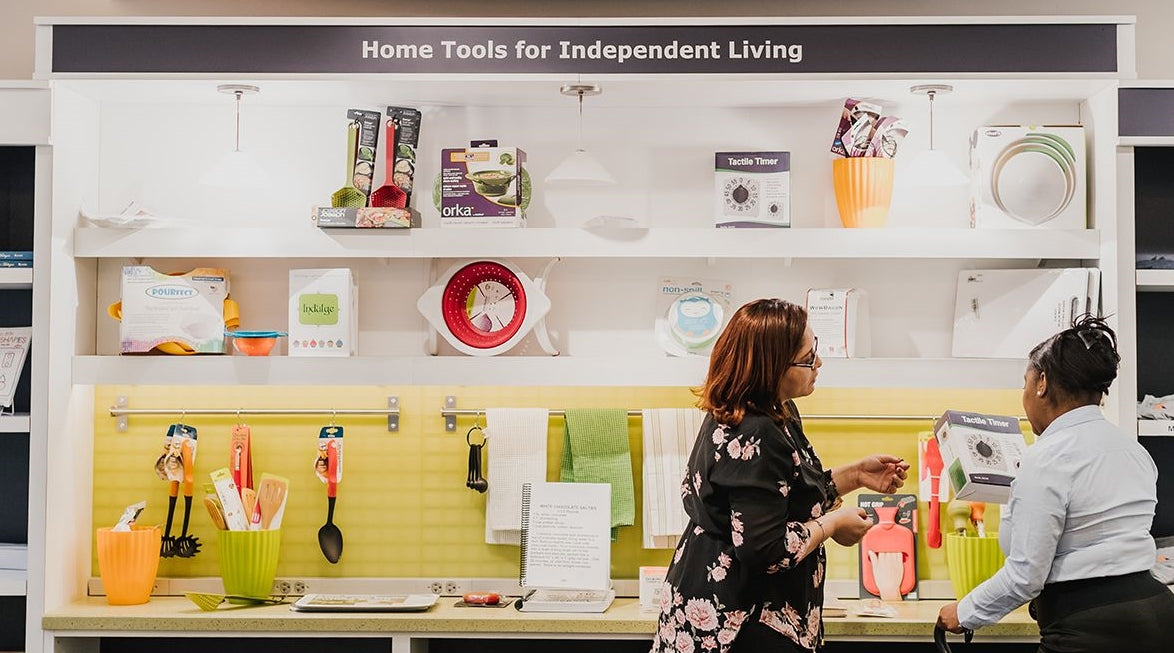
475,481
187,546
167,547
389,195
329,536
348,195
933,460
241,457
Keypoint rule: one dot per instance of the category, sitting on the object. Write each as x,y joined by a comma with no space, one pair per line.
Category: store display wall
403,506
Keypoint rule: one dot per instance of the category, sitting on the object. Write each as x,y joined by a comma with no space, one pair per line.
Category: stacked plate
1034,178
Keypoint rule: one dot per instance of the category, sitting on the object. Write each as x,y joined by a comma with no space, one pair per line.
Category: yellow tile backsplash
403,506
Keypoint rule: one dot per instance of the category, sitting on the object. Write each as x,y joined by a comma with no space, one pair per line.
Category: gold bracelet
821,529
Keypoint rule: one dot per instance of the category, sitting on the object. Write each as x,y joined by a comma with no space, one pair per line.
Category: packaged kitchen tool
187,311
407,139
481,187
230,500
858,120
752,189
128,517
1027,176
839,319
981,454
888,551
369,123
323,312
692,313
328,468
366,217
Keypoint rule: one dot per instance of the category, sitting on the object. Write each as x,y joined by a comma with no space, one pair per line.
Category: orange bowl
254,343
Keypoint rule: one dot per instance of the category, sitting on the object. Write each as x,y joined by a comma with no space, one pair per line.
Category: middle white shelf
309,242
520,371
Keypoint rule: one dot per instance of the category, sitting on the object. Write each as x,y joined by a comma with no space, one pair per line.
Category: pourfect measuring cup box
184,308
323,313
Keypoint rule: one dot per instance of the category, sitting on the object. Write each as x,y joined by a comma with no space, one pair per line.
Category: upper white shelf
1155,280
14,423
640,243
520,371
13,583
1155,427
16,278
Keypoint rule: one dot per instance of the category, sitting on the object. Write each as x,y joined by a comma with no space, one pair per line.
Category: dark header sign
1145,112
881,48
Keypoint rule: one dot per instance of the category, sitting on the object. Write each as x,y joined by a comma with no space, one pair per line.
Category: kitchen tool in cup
248,563
209,602
329,536
389,195
128,562
270,499
215,513
348,195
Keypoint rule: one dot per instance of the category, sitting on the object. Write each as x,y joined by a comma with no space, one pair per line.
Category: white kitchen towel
516,446
668,439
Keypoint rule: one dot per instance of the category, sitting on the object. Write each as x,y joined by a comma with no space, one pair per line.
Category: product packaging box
368,217
323,313
752,189
981,454
366,148
839,319
1026,176
158,308
481,187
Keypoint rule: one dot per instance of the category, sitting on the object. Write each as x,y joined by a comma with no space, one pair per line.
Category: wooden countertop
93,616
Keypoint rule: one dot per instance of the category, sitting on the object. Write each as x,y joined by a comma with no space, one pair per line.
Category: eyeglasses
810,362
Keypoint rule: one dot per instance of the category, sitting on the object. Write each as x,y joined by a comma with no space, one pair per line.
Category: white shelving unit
16,278
1155,280
11,584
14,423
148,137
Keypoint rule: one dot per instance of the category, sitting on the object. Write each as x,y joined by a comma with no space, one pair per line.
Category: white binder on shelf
1005,313
566,547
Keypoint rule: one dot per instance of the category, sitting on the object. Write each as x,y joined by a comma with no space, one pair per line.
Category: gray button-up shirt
1081,507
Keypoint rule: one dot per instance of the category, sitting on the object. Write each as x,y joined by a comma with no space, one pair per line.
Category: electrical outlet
436,587
282,587
452,587
300,587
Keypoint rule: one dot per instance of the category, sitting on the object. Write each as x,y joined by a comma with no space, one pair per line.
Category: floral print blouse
748,490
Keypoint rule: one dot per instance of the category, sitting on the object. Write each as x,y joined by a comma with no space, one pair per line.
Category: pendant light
932,167
580,168
236,169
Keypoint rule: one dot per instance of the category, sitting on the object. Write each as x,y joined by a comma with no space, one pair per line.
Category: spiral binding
525,531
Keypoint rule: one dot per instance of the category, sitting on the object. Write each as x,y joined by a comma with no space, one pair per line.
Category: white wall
1155,18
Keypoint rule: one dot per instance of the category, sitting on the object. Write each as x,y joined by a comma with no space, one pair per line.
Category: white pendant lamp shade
236,169
932,167
580,168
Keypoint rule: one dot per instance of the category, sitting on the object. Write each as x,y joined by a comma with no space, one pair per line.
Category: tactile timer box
753,189
981,454
323,313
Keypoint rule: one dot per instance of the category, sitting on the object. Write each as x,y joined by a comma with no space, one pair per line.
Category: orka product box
481,187
1024,177
981,454
752,189
323,313
158,308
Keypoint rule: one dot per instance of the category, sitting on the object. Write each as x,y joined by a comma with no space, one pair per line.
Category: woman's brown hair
749,360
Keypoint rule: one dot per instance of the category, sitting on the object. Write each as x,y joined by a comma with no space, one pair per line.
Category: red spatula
934,464
389,195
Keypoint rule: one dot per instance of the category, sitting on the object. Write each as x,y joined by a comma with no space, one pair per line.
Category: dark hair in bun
1080,361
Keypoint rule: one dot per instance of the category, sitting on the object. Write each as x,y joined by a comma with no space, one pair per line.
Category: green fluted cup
971,560
248,562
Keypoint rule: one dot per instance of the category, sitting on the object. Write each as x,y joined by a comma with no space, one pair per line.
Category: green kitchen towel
595,450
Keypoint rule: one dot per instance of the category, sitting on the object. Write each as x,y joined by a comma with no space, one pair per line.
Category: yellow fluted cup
971,560
864,190
248,562
128,562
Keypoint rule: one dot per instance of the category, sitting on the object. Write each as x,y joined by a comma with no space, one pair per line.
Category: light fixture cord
237,146
580,120
931,94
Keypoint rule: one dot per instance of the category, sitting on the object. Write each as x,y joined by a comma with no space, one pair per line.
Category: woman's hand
948,618
882,473
848,525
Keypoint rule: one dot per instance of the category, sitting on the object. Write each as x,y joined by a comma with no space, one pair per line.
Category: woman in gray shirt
1076,530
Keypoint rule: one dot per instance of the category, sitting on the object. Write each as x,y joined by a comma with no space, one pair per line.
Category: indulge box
752,189
323,312
981,454
184,308
481,187
1024,177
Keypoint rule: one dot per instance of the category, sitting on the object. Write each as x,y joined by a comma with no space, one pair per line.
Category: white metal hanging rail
120,411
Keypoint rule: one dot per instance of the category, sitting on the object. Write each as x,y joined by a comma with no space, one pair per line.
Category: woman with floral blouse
748,573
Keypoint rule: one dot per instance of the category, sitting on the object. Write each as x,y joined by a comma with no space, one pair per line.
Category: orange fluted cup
864,189
128,562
